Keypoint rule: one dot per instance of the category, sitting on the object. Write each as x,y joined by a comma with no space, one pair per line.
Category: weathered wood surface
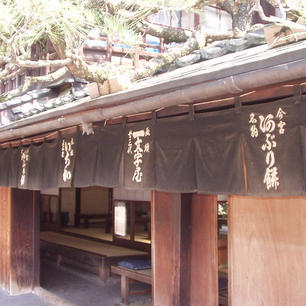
24,240
144,276
267,249
222,251
185,249
204,251
106,217
5,237
171,216
19,248
127,276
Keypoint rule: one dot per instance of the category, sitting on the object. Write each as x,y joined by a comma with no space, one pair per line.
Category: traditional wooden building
233,125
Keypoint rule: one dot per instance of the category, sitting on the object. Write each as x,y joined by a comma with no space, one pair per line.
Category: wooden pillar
204,251
267,251
171,215
19,236
132,220
77,207
5,237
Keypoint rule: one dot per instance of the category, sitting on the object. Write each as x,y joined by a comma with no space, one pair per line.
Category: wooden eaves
255,75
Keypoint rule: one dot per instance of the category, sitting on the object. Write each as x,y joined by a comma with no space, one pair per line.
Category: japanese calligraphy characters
137,146
67,153
24,156
270,126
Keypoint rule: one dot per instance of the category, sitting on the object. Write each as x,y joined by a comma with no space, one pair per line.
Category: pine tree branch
7,71
29,81
42,63
4,39
170,34
11,75
164,59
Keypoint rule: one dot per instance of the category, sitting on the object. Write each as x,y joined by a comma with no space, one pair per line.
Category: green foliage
222,209
65,23
27,22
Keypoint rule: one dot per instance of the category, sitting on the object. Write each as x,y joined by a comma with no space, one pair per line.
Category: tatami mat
93,232
99,233
89,246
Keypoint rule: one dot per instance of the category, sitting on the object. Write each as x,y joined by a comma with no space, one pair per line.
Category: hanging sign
99,155
67,153
139,156
274,148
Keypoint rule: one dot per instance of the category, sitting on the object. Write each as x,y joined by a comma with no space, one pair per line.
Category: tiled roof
40,100
226,53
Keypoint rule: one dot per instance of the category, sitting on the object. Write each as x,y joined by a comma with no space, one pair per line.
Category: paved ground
69,287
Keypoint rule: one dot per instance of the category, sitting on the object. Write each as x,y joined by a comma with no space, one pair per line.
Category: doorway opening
79,230
222,202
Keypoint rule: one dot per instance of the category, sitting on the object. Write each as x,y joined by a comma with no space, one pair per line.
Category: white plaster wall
214,20
187,20
166,18
50,191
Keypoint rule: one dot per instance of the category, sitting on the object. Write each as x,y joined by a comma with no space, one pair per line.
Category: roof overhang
232,74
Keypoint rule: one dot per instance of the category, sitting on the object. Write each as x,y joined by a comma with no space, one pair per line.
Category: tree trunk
242,17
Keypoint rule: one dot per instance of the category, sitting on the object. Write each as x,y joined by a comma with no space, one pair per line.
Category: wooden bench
87,217
92,256
128,276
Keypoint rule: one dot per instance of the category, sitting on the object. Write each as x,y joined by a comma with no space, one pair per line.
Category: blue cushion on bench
222,284
136,264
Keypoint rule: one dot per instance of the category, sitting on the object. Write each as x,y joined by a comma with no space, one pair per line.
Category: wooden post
267,251
77,207
184,249
132,220
19,234
59,222
204,251
171,216
125,289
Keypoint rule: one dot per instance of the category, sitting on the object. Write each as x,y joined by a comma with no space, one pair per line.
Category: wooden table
95,257
128,276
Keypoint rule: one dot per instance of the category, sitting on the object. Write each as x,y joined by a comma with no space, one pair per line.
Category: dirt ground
62,286
30,299
74,287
